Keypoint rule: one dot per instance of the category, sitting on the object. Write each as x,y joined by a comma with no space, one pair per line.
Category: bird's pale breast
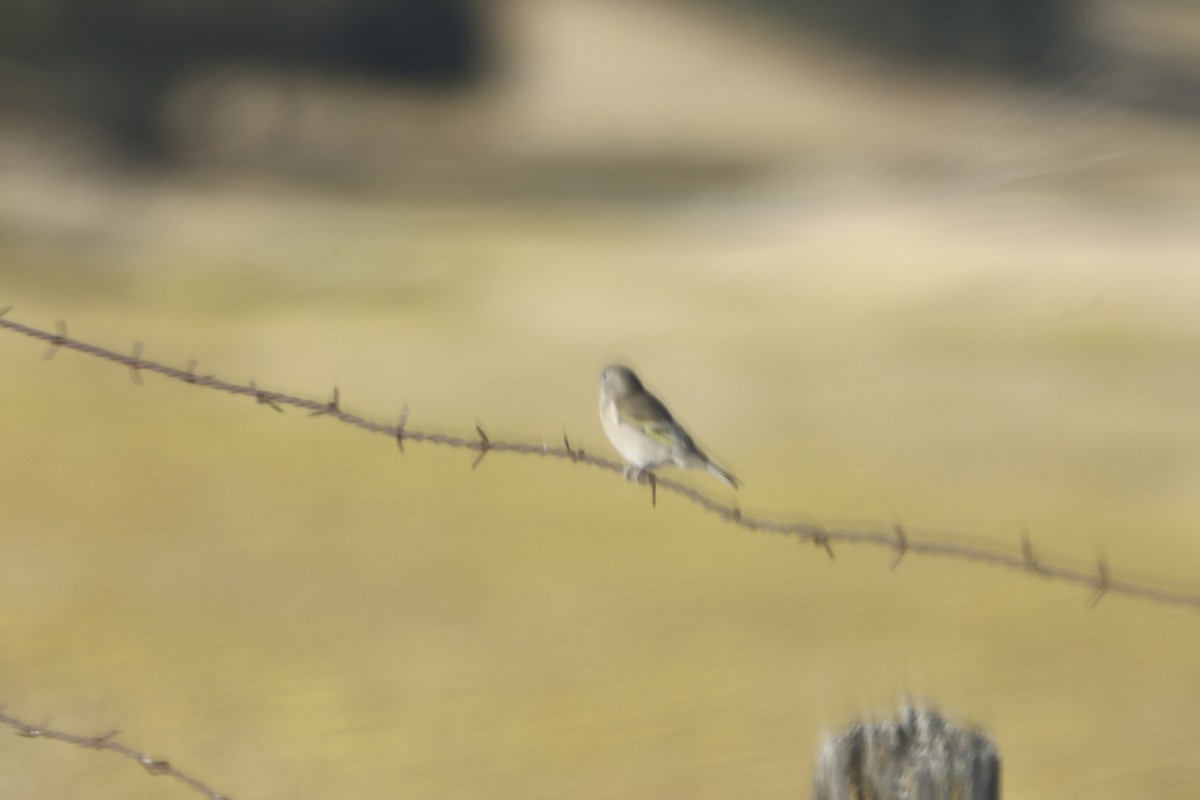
634,446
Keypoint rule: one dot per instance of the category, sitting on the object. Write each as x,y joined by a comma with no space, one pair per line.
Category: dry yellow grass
289,608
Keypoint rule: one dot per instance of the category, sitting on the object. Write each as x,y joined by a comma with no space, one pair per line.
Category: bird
643,431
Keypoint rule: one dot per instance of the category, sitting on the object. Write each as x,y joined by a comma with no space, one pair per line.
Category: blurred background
887,258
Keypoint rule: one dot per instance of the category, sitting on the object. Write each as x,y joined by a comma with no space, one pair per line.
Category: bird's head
618,379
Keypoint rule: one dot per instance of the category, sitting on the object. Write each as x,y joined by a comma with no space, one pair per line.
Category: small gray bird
643,431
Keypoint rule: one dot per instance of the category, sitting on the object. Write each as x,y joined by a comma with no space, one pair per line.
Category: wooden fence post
919,756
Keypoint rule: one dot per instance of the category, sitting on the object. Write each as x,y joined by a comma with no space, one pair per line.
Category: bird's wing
646,413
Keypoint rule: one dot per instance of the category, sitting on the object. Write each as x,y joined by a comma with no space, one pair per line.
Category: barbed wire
1097,577
107,741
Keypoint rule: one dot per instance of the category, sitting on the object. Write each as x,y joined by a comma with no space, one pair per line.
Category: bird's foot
636,474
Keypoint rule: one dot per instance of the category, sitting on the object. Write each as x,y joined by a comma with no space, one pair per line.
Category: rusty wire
1098,578
107,741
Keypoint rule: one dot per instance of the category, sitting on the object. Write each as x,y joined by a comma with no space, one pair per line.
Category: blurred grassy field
955,331
290,608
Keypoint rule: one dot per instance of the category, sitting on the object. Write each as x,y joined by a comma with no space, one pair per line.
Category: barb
897,539
901,543
56,341
822,540
190,377
484,445
260,397
107,741
400,427
332,407
1103,582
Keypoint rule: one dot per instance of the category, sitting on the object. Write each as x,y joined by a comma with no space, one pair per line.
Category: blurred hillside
117,63
335,85
1024,37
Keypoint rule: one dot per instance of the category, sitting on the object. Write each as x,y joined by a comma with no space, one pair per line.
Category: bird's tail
722,473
